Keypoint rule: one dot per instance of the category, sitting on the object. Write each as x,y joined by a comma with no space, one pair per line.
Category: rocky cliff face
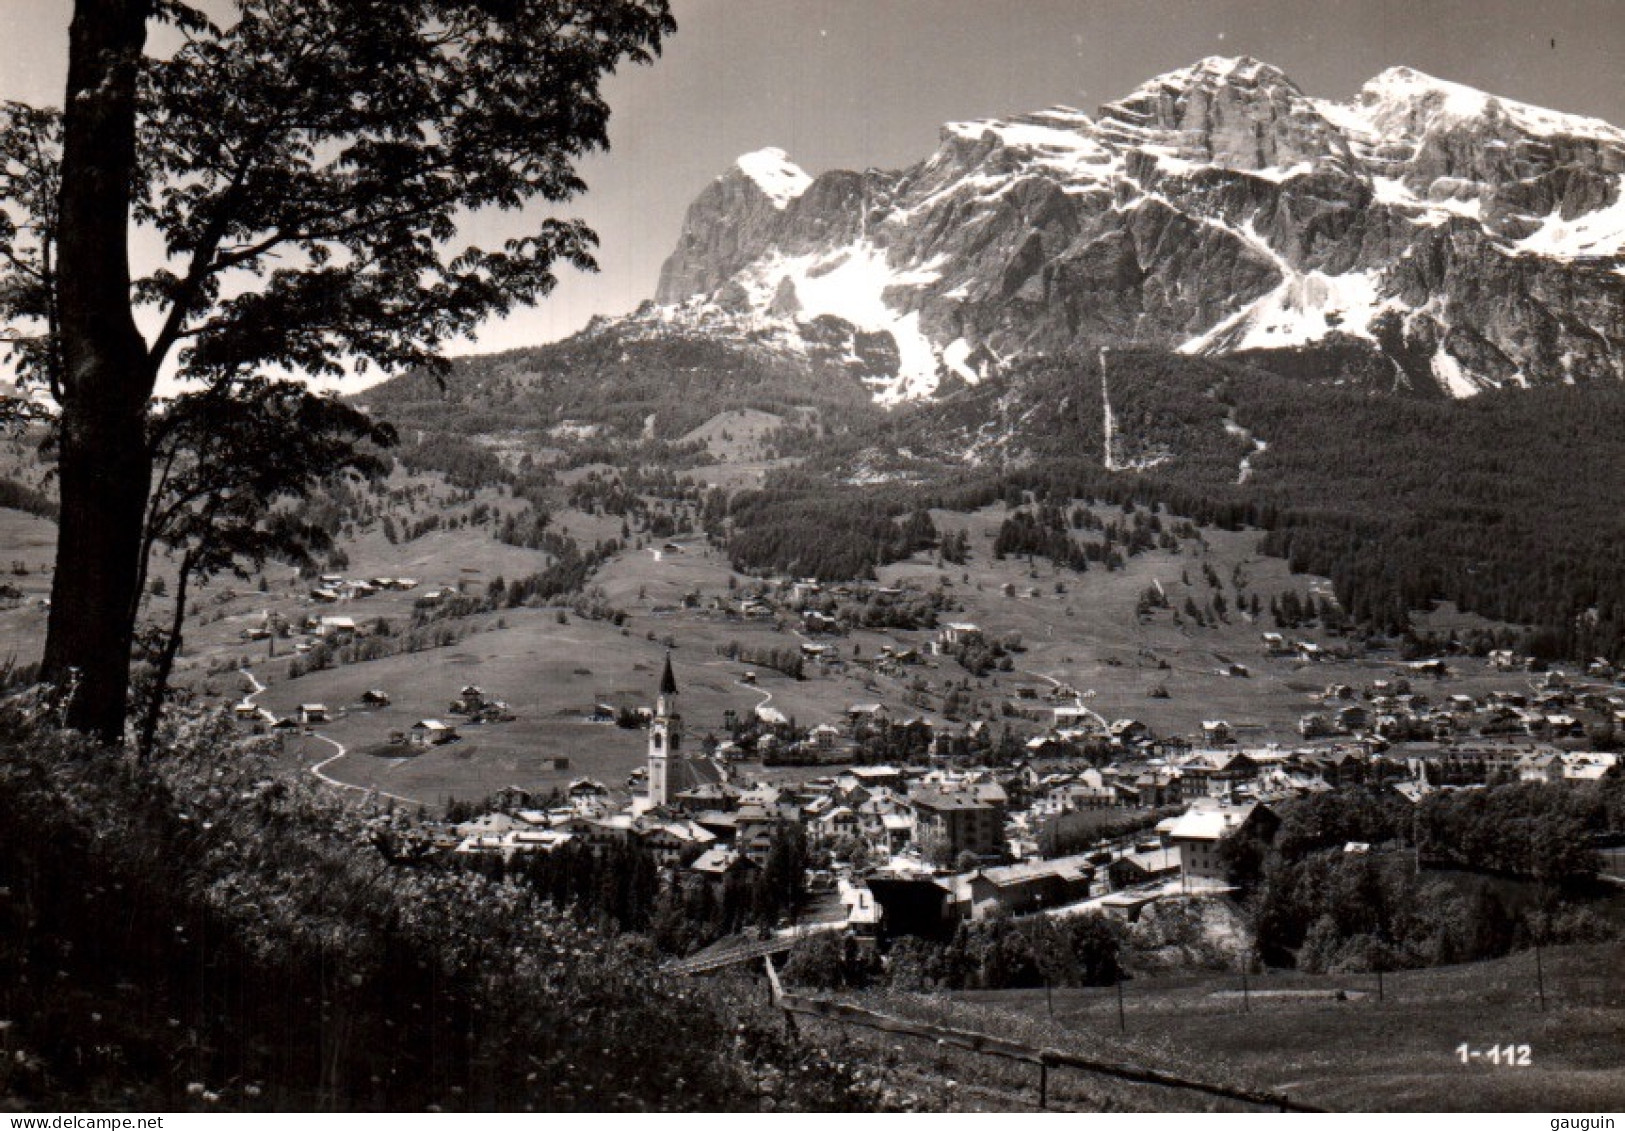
1425,233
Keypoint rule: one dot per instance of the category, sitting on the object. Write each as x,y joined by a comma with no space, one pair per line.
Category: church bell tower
665,738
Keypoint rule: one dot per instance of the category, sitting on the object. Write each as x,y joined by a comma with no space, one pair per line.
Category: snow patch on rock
775,174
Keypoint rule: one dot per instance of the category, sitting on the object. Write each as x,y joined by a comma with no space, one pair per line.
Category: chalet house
718,862
1336,766
1089,791
1217,773
375,698
1075,717
872,713
800,592
1016,889
312,713
583,789
336,628
896,831
1129,731
1143,866
1561,726
886,821
1048,746
537,840
814,621
757,823
1201,832
724,825
431,732
753,838
1152,788
1217,732
958,634
672,840
838,822
874,777
824,737
890,659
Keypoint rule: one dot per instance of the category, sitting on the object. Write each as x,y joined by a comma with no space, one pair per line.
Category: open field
26,564
1091,638
736,436
1396,1054
1293,1035
551,675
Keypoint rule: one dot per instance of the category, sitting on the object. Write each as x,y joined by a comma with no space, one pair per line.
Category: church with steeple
665,739
671,769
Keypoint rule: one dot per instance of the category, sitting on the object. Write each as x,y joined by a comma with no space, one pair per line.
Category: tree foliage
226,457
307,168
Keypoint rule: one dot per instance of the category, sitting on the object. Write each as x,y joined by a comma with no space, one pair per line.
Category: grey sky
855,83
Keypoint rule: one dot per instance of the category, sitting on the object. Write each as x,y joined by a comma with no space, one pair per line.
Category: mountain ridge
1447,239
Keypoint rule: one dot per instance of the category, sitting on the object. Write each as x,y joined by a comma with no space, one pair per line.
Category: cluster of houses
1551,709
472,706
332,588
905,829
934,843
1278,645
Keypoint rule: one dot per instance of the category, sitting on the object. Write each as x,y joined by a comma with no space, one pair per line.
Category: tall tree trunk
104,466
165,666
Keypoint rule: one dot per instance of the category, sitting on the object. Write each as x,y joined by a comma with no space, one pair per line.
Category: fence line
988,1045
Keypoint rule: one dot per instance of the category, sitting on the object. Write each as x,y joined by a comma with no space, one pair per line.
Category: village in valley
1012,794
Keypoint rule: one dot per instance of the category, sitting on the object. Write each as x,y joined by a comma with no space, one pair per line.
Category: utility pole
1540,977
1122,1018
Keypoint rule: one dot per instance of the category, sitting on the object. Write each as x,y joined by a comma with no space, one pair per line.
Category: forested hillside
614,383
1504,503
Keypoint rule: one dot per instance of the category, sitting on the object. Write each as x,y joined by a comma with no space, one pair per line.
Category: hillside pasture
1360,1053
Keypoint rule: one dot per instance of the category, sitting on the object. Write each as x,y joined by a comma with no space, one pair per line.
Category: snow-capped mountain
1424,234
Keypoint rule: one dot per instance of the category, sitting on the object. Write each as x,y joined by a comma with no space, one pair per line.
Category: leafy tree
225,457
306,166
